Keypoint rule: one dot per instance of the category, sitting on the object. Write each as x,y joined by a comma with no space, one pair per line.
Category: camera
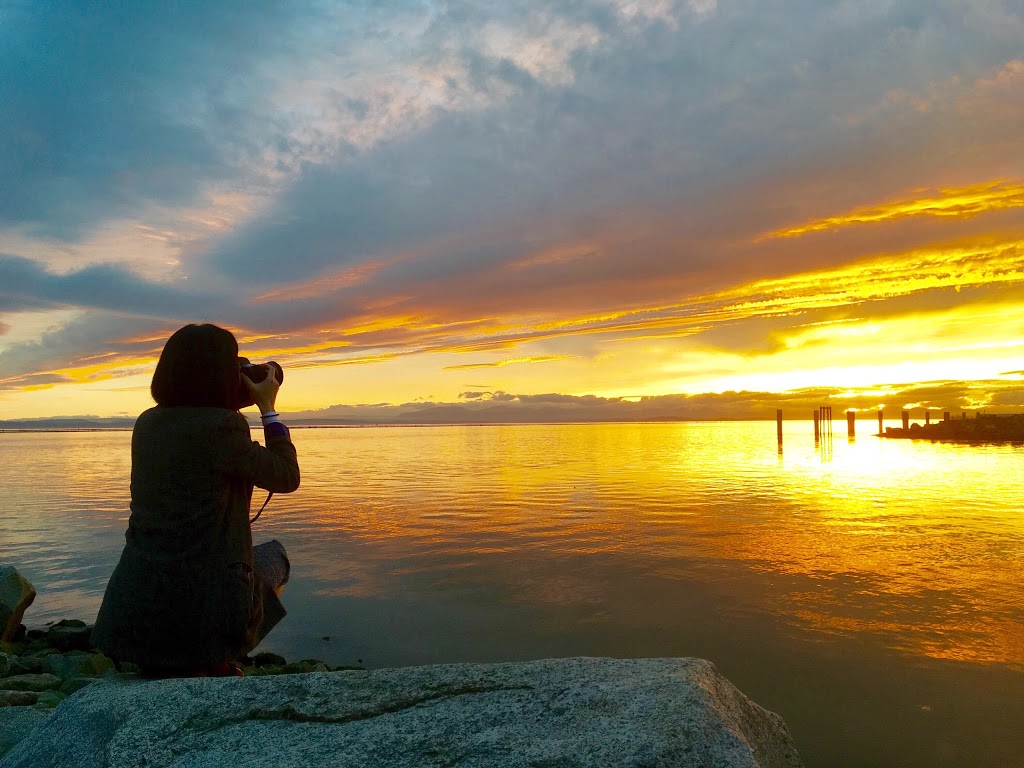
255,372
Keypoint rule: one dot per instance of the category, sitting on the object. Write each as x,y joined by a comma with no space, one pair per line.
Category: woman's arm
273,468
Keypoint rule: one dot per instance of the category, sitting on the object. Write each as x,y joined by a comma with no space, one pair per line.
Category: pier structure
982,427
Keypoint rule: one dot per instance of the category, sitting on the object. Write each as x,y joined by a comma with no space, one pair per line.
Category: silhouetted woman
189,595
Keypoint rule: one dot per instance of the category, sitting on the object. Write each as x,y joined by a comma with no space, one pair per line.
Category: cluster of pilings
823,422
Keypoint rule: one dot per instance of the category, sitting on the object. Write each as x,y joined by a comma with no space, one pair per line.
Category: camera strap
267,501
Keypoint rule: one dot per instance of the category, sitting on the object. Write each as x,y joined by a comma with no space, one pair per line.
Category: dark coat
184,594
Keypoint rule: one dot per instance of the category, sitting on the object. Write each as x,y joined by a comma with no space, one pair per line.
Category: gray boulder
16,594
16,723
570,713
40,682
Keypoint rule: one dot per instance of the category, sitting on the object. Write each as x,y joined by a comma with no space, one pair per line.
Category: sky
613,201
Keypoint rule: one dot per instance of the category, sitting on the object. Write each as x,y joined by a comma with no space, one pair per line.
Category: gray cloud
650,118
27,285
108,106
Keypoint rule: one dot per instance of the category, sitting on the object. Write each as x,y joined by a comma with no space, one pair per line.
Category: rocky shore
41,667
63,704
49,664
983,428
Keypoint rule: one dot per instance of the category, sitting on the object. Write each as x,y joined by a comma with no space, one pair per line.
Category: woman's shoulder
162,415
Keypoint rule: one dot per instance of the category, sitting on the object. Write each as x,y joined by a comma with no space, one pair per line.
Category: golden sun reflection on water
913,542
909,546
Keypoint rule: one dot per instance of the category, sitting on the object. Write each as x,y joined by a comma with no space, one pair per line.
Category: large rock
16,723
570,713
16,594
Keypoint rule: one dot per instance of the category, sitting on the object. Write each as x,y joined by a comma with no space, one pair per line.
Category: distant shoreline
291,425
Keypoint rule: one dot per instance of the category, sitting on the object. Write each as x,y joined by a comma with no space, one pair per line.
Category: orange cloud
961,203
345,278
510,361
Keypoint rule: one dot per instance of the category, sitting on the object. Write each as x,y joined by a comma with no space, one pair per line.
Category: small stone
129,667
266,659
40,682
16,594
78,664
42,653
26,665
321,667
18,698
12,649
49,699
70,635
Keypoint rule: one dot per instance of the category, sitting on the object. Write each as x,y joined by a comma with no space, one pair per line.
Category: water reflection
458,543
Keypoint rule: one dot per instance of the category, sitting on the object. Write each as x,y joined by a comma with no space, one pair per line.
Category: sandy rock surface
566,713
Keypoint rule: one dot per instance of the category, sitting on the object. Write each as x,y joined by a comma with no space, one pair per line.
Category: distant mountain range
89,422
497,407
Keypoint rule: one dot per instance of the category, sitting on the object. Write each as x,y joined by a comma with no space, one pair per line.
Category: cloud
510,361
494,397
26,284
960,203
369,183
106,107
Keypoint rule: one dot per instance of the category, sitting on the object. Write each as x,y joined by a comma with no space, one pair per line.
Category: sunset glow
411,223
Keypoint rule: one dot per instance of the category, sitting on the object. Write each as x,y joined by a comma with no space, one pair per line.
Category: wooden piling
825,420
778,420
927,416
881,421
945,416
851,420
906,419
817,425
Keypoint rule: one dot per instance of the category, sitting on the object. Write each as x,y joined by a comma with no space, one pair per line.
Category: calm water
870,592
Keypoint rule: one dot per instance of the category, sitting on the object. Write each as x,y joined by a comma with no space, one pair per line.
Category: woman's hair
198,367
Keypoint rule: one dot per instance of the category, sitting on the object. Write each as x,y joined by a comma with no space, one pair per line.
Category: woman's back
186,506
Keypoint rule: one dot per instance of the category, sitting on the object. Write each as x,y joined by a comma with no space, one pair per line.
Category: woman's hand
264,393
